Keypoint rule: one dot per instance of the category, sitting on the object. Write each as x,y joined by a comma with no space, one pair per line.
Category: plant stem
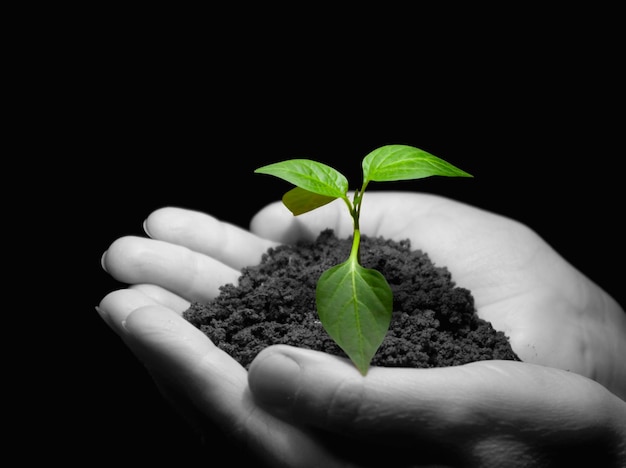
356,241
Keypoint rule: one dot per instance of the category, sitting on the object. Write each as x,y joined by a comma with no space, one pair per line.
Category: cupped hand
552,314
566,329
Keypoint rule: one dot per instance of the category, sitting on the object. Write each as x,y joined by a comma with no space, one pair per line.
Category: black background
156,117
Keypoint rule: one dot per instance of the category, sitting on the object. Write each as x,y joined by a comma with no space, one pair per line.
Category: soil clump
434,322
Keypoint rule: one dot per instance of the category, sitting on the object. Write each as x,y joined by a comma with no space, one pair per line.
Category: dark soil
434,323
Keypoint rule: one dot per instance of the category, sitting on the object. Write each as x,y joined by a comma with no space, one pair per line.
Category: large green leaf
355,306
310,175
401,162
299,201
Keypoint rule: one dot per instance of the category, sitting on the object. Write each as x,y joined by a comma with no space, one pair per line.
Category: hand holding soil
295,407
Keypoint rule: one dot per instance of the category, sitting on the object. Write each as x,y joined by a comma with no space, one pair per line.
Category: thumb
461,405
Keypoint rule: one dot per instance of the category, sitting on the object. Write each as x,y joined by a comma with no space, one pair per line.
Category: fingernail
105,316
103,261
118,327
274,380
145,227
102,313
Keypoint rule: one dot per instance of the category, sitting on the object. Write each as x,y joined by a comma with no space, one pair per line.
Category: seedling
354,303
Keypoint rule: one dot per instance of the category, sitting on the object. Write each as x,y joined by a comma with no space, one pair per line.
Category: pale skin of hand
567,399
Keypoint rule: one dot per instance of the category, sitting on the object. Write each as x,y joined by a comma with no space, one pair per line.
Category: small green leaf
309,175
355,306
299,201
354,303
401,162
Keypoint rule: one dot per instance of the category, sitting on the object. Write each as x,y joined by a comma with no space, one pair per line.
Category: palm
549,310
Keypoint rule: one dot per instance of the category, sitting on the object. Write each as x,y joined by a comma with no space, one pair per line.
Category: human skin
563,402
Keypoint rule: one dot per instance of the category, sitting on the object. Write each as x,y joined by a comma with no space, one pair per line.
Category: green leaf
309,175
401,162
355,305
299,201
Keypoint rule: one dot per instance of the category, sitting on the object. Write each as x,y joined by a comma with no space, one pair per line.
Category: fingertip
103,315
307,360
103,261
273,377
120,254
115,307
270,220
280,373
159,219
145,227
276,223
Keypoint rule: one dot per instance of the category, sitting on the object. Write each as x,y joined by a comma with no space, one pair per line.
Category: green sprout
354,303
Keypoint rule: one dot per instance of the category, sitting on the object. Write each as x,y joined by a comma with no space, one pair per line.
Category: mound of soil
434,323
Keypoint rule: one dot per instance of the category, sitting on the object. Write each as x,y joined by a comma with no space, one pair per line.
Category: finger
475,400
185,362
386,213
202,233
277,223
117,305
436,224
191,275
153,332
163,296
169,345
120,303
